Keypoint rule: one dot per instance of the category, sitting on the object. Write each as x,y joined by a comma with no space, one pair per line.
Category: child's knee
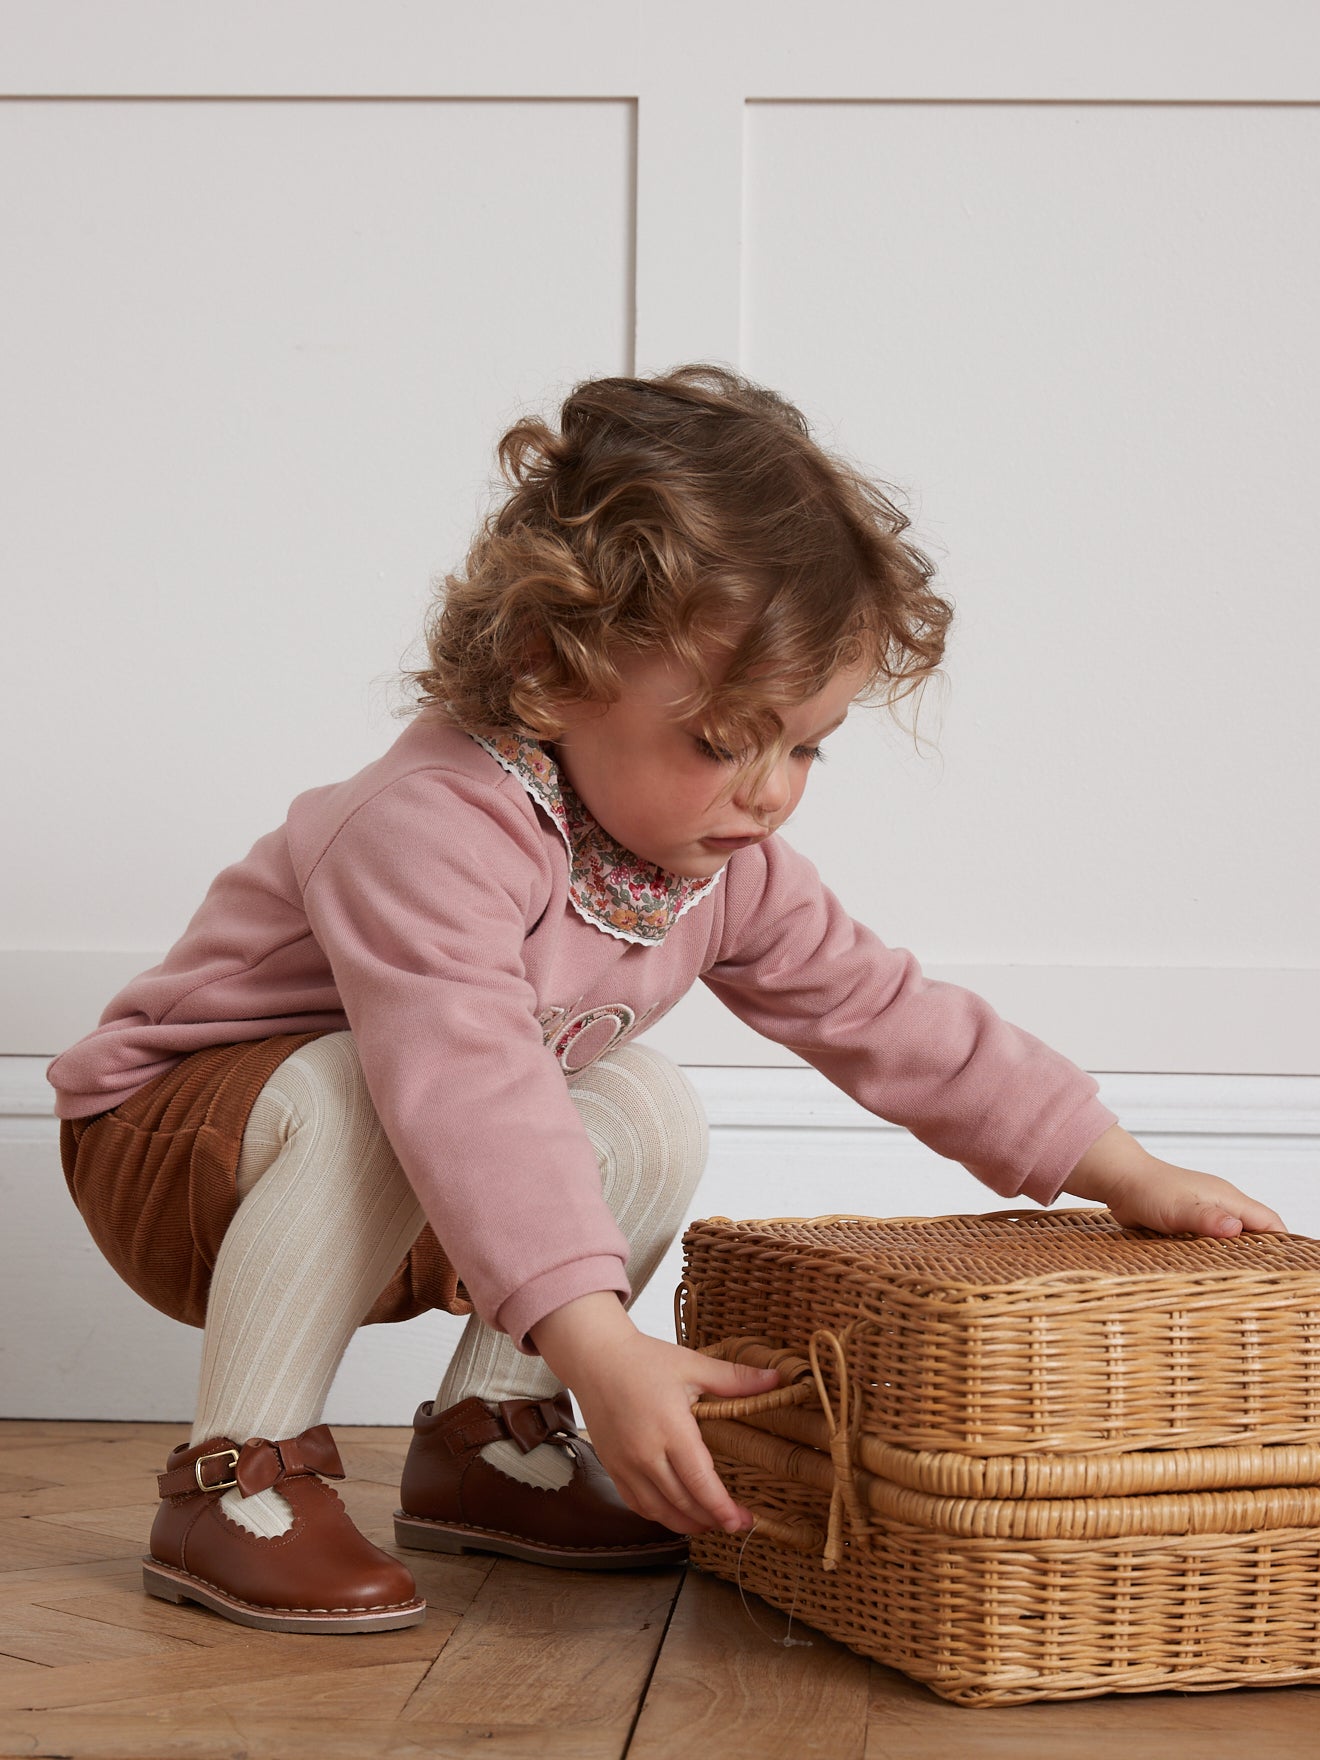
640,1107
643,1075
319,1089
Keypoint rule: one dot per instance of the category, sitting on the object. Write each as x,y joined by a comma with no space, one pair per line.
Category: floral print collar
608,886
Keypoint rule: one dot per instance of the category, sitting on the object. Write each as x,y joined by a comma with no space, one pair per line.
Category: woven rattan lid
1026,1331
1012,1246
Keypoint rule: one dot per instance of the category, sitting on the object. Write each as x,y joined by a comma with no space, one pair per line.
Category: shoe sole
169,1584
424,1535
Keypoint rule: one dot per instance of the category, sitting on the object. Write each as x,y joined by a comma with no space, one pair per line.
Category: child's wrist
1109,1167
576,1334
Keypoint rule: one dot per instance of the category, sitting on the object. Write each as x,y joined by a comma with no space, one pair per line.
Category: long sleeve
421,902
930,1056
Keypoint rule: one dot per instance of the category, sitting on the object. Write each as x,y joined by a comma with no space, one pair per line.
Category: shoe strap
254,1465
528,1422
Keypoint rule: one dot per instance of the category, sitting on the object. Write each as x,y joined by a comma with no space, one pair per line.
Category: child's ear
532,655
574,714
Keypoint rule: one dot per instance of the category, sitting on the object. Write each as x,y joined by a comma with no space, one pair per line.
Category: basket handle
797,1395
799,1534
798,1382
806,1383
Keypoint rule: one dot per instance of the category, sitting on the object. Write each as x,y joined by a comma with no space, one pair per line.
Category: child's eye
716,754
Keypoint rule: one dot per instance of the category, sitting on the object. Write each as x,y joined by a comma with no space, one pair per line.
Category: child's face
647,775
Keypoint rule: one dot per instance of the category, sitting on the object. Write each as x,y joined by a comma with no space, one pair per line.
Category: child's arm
938,1059
636,1396
1144,1192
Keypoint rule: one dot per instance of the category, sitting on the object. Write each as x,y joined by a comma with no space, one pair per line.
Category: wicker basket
1023,1456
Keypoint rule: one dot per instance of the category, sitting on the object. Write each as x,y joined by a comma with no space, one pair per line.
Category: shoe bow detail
530,1422
254,1465
262,1464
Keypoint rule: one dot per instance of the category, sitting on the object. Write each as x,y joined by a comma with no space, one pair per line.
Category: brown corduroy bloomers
155,1181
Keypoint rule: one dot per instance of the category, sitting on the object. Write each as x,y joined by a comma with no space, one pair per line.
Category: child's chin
702,866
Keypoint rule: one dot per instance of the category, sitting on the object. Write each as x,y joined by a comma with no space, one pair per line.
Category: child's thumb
736,1380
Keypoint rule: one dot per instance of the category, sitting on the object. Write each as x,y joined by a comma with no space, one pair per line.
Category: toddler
392,1063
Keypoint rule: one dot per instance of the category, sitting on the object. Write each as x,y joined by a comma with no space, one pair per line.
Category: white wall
272,291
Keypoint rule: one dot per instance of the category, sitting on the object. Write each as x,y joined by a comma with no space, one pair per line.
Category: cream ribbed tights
326,1215
649,1133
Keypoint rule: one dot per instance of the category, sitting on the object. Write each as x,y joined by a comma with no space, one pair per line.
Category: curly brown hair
690,512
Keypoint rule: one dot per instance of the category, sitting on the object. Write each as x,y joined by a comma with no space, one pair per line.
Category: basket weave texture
1023,1456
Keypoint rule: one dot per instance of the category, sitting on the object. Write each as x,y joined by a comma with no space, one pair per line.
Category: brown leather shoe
322,1576
453,1501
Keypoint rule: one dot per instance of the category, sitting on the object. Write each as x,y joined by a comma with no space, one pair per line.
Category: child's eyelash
716,753
813,754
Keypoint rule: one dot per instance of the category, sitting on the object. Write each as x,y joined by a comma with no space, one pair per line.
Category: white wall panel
1221,49
256,357
1078,339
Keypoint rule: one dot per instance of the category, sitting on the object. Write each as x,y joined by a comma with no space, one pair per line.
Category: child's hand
636,1397
1141,1191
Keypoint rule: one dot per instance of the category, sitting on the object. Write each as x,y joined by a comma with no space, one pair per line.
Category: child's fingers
1226,1220
666,1474
1182,1201
730,1380
667,1487
1216,1222
663,1496
692,1466
1260,1219
647,1500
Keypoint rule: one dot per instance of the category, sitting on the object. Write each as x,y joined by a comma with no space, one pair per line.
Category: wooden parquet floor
513,1661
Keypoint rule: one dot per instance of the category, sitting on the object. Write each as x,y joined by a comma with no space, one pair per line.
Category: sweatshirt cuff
533,1300
1044,1180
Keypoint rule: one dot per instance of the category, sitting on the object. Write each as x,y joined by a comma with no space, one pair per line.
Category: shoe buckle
221,1454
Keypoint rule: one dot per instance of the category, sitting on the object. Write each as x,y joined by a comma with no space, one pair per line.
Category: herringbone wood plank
720,1672
549,1662
512,1660
544,1663
11,1482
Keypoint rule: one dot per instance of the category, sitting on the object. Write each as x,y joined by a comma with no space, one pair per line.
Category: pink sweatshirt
430,904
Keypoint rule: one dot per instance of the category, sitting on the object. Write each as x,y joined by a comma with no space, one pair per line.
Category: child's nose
768,800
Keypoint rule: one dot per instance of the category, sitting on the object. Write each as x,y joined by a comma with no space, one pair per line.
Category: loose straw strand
787,1642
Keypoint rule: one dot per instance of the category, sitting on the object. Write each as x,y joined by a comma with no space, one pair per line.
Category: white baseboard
76,1343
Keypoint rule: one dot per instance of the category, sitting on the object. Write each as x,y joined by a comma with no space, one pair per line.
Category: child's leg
325,1218
649,1133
